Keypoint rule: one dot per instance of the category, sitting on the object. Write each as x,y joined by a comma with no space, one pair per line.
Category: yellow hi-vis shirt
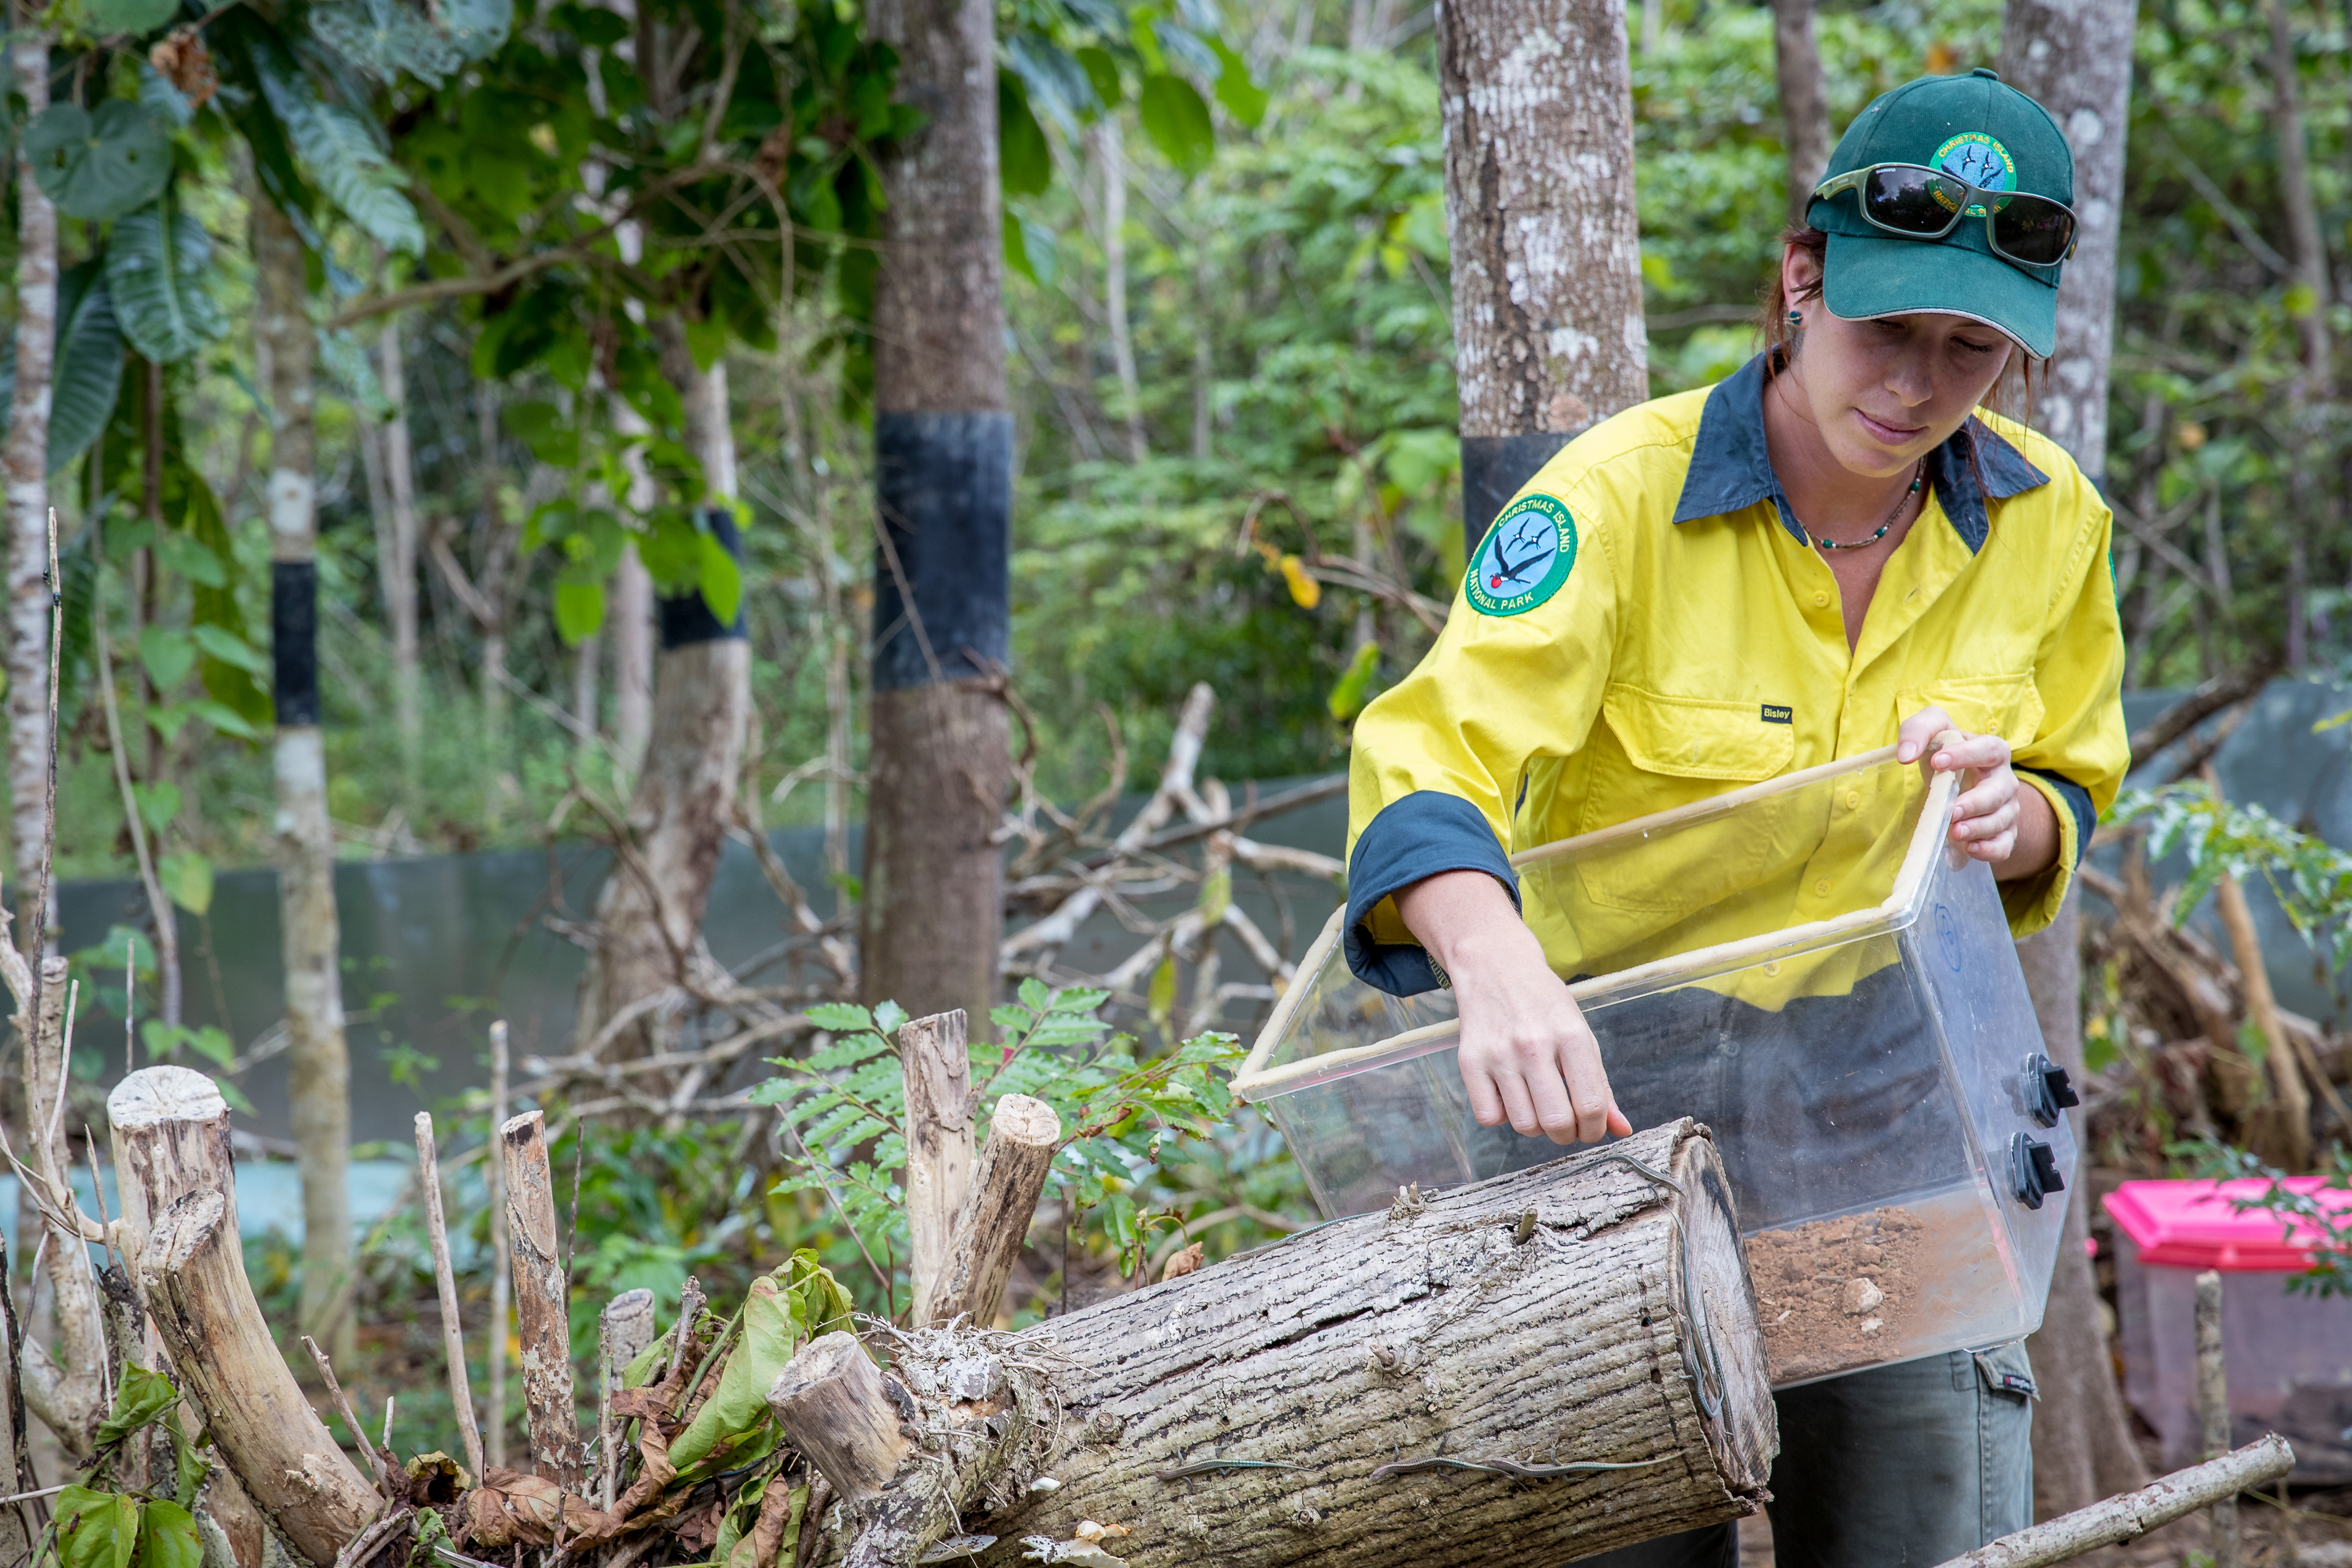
1646,625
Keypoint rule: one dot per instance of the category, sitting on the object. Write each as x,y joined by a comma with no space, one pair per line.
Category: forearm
1467,922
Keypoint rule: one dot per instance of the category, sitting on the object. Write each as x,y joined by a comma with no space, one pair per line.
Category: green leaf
1242,99
1349,694
158,802
1159,1001
168,655
840,1018
187,880
888,1016
578,608
1178,123
98,166
96,1528
478,27
154,271
130,16
722,581
385,39
220,643
87,375
183,556
739,1405
540,426
342,153
1024,162
222,717
168,1538
1103,71
142,1397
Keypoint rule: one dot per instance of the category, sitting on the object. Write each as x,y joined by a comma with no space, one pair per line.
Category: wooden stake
830,1402
543,1302
2262,1005
494,1173
937,1073
350,1418
445,1279
2175,1495
624,1329
2214,1406
994,1220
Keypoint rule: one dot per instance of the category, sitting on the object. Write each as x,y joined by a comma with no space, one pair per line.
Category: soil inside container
1838,1293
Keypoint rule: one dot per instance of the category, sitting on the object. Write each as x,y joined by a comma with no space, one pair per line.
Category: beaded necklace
1918,477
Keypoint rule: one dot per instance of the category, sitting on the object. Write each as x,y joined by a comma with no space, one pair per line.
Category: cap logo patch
1525,556
1981,160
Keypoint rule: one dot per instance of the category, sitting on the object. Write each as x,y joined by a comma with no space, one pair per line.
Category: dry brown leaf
1181,1263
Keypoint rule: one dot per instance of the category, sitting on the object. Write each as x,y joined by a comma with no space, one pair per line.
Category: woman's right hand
1527,1055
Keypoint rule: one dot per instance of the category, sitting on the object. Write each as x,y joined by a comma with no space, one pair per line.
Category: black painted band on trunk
294,642
685,618
1493,469
942,570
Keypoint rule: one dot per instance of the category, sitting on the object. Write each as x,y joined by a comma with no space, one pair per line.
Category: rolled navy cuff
2078,806
1416,836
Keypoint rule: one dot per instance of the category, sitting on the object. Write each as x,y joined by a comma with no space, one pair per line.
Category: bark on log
2176,1496
937,1070
1287,1406
830,1401
192,1277
543,1303
993,1222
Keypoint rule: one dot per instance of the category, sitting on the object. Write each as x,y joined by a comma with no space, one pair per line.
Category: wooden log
543,1303
444,1283
831,1403
2172,1497
934,1064
1512,1375
994,1220
192,1277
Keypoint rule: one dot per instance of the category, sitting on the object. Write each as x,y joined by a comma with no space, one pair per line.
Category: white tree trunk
27,460
62,1383
1111,165
319,1061
632,617
396,566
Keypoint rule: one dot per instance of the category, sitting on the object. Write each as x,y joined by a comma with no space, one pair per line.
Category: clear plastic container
1860,1041
2287,1356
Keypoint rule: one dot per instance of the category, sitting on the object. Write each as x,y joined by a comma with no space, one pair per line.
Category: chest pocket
1660,752
2006,706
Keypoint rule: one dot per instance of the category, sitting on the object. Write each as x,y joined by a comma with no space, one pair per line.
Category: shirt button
1820,599
1821,888
1853,799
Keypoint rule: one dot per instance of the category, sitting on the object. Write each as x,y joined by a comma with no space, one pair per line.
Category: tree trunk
633,617
65,1392
1537,99
1110,164
1333,1399
940,763
543,1303
396,566
2074,58
26,457
2082,1447
2308,250
319,1085
172,1168
650,911
1804,101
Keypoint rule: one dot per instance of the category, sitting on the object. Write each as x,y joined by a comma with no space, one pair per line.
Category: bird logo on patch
1525,556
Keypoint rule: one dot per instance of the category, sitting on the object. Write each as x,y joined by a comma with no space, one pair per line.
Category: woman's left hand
1994,819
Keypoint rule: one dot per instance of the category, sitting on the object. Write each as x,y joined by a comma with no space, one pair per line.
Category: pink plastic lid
2193,1224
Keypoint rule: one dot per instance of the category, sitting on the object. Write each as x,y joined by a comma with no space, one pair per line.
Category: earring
1796,318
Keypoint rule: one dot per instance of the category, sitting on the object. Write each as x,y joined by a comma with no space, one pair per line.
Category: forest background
1233,376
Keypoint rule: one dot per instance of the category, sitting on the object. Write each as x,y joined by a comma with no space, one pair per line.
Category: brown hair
2012,396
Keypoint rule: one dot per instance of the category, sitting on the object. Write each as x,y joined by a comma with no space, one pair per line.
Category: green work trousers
1898,1466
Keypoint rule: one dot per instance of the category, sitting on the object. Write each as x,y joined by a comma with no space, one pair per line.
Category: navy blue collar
1730,470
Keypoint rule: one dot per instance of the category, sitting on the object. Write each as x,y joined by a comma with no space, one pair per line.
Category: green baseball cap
1984,131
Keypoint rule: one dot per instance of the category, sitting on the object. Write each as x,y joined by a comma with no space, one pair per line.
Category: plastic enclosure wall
2288,1356
1860,1070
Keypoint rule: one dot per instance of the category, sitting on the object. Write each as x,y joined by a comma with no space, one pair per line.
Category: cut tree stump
543,1305
179,1196
1521,1372
994,1219
937,1070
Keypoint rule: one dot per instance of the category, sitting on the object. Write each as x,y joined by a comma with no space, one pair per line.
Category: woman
1832,550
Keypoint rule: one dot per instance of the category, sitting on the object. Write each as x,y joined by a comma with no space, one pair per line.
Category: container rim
1255,1082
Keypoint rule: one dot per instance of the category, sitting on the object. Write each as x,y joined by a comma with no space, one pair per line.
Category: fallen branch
2175,1495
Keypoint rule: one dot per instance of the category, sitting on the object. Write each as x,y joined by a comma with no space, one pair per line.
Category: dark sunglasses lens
2030,229
1913,200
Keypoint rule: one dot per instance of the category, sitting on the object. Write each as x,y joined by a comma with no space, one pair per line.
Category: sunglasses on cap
1918,203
